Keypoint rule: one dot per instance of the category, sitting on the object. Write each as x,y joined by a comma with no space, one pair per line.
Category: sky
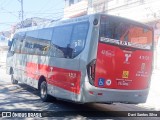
10,11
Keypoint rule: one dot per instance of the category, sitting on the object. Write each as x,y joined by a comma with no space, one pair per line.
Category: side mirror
9,43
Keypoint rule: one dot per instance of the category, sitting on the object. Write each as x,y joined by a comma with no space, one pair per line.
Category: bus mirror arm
9,43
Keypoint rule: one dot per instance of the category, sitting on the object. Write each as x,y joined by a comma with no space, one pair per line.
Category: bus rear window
123,32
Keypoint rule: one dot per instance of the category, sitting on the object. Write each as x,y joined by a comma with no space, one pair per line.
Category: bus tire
13,81
43,92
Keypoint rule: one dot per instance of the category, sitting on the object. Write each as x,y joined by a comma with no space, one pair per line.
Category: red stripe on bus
59,77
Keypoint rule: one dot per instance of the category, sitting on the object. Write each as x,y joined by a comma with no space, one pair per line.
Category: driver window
13,46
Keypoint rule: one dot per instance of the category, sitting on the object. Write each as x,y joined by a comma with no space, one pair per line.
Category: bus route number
72,75
123,43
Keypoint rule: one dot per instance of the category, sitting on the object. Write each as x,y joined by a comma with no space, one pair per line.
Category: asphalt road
25,98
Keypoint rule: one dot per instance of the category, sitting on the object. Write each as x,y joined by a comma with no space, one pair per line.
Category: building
140,10
74,8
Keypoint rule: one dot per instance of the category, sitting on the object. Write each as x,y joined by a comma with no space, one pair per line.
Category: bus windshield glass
123,32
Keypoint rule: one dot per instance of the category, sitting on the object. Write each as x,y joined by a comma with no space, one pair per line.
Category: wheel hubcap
43,91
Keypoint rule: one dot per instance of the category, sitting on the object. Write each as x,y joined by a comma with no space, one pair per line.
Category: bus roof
80,19
57,23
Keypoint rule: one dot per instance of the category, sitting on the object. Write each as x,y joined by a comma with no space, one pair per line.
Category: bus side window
23,50
44,38
52,51
31,38
60,40
78,38
19,42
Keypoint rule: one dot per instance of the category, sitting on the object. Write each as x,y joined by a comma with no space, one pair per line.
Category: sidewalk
3,55
153,101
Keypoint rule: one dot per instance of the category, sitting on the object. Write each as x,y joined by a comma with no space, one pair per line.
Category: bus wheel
13,81
43,92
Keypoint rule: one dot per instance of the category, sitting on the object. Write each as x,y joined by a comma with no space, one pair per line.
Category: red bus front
124,59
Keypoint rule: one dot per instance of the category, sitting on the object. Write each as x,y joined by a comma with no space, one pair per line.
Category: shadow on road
22,97
60,108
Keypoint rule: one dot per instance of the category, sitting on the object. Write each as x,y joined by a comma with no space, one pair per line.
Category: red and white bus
93,58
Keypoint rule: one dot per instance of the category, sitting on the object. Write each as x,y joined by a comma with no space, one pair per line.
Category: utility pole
105,6
22,8
22,12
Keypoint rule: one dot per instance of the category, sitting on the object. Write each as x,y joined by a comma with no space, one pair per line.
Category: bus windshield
122,32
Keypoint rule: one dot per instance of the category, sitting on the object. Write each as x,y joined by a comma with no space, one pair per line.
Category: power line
44,11
9,23
3,3
9,12
6,22
44,5
61,10
52,7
